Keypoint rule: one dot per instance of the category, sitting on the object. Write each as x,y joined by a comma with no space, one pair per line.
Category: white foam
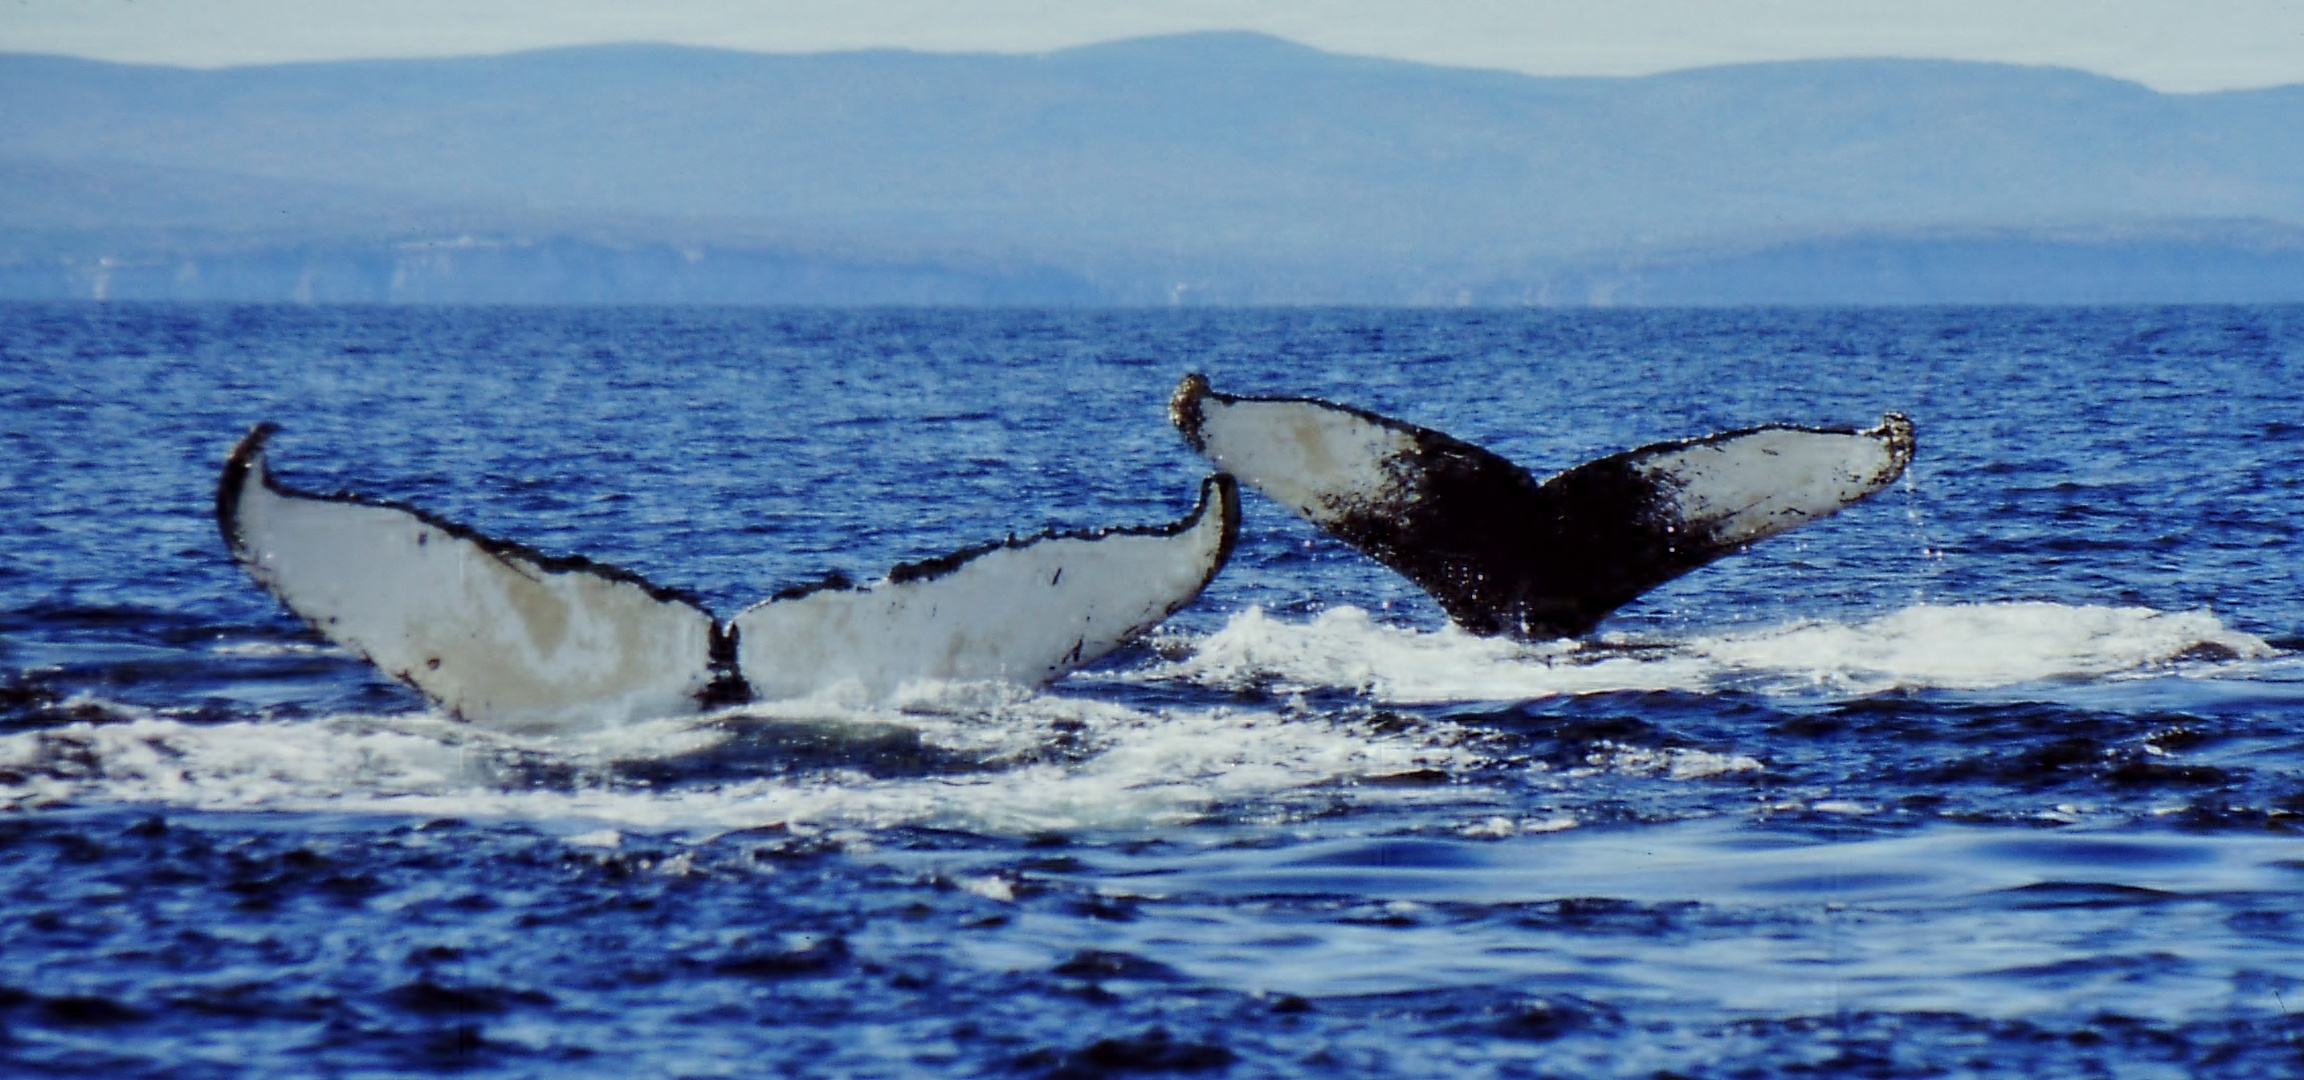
1005,760
1498,827
1053,763
1963,646
1678,763
1343,648
1981,646
277,648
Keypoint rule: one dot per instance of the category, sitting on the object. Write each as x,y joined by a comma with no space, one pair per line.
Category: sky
2171,45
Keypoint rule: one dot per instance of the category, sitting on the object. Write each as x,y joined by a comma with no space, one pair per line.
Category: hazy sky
2179,45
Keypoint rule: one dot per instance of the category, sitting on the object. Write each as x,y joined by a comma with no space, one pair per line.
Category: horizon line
481,54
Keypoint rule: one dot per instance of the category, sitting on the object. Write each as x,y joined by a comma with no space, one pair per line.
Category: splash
981,757
1982,646
995,759
1966,647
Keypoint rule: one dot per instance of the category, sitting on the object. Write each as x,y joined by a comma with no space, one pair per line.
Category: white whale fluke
1504,553
497,632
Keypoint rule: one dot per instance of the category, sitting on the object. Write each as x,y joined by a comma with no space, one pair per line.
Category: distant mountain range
1207,168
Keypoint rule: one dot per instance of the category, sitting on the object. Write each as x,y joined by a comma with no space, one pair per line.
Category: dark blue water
1998,774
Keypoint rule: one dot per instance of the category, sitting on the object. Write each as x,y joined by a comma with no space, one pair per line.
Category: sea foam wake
1951,647
983,758
1000,760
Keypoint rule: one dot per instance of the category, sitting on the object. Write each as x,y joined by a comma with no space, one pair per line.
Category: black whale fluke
1505,553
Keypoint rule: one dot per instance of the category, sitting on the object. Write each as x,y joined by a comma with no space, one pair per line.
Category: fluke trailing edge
498,632
1504,553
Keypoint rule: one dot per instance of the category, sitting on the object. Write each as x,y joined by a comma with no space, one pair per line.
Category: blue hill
1215,167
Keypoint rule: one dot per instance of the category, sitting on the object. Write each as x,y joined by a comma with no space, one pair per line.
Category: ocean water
2000,773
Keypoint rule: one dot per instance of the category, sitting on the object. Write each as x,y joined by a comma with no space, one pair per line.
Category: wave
1925,646
996,759
980,757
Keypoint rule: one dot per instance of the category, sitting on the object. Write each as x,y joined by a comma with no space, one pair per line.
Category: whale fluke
1504,553
497,632
1022,611
489,629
